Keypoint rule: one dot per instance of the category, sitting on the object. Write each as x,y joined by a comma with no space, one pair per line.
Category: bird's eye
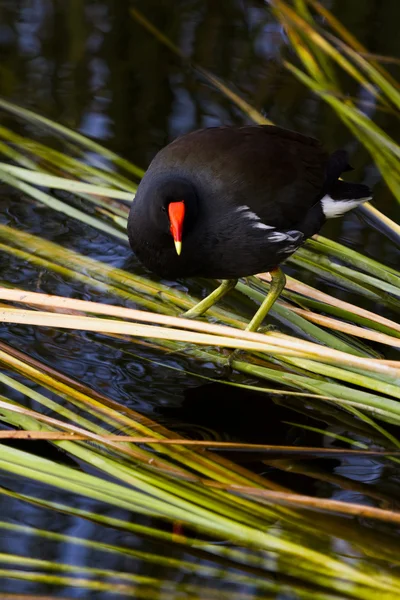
163,209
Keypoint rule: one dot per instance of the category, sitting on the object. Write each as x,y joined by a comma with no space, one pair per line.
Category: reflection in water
90,66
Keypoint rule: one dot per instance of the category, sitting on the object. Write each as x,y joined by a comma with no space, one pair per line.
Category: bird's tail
344,196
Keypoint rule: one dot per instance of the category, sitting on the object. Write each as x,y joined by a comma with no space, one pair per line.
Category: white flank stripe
294,236
290,249
335,208
250,215
262,226
277,236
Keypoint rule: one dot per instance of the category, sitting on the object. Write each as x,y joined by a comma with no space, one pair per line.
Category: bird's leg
278,281
200,308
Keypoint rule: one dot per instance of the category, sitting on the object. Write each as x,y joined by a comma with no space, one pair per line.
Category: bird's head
175,209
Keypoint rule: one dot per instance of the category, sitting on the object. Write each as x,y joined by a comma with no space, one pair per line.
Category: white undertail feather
335,208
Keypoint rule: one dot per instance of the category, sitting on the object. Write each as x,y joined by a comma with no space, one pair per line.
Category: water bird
230,202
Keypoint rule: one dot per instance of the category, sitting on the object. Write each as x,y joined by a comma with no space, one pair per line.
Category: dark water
89,65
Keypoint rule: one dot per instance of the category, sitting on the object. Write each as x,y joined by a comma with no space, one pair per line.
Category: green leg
278,281
202,307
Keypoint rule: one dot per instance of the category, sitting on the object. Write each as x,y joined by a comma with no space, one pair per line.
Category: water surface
90,66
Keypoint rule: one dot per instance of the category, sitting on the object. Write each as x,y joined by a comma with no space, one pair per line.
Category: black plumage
252,196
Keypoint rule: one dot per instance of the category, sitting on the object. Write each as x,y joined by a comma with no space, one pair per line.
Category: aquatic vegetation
329,356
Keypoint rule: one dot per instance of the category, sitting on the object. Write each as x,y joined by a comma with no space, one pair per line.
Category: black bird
228,202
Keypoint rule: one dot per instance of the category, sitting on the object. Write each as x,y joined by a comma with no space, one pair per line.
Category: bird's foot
190,315
268,329
229,358
204,305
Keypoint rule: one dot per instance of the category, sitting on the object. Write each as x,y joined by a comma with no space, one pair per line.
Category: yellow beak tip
178,247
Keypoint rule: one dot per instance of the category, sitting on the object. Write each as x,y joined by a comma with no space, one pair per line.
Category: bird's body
228,202
257,193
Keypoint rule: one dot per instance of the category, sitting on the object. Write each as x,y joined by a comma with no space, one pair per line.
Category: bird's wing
275,174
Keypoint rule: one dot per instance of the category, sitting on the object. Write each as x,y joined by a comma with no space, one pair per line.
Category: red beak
176,213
